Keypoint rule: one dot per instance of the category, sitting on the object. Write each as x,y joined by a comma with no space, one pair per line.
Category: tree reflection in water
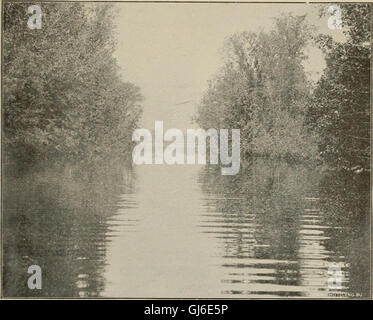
57,219
281,226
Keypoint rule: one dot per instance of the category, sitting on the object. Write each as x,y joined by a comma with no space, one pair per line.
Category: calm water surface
273,230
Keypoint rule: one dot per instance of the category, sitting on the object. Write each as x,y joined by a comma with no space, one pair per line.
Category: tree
263,91
340,110
63,95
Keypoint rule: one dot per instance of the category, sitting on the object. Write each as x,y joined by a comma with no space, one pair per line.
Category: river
185,231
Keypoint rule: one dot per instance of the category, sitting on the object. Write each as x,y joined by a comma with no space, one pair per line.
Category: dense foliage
63,95
263,91
340,112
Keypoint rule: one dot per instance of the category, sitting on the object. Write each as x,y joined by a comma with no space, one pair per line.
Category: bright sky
171,50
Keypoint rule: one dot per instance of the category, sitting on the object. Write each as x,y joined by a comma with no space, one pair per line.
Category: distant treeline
63,96
264,91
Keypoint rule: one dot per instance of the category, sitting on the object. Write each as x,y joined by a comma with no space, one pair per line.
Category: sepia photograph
185,150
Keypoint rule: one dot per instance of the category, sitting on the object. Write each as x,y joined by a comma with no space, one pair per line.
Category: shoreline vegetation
65,101
64,98
263,90
73,205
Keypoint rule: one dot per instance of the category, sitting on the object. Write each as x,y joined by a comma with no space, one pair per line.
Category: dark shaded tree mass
340,112
63,95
